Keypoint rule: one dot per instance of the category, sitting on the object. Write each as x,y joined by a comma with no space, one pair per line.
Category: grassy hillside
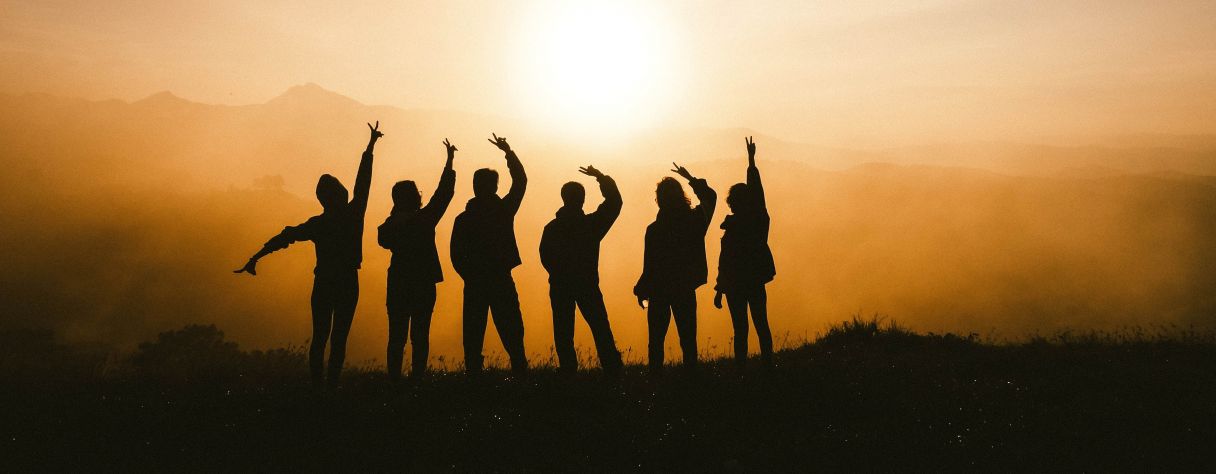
864,396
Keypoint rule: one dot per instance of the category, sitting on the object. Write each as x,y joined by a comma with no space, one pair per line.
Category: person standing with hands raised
570,252
674,264
746,262
484,252
409,232
337,235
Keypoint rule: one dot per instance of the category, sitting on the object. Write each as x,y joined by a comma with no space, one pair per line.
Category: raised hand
376,133
751,148
250,267
591,171
500,142
683,172
450,147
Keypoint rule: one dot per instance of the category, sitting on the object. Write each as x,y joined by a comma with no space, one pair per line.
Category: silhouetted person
746,263
484,252
337,235
674,264
570,252
409,232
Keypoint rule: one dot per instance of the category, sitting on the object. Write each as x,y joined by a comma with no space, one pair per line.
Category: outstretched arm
605,215
706,197
447,187
753,175
288,236
519,179
363,180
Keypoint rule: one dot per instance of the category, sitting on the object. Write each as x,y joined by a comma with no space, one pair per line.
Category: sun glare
601,66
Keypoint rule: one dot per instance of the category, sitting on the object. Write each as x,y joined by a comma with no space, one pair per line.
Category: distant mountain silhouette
306,121
313,96
163,99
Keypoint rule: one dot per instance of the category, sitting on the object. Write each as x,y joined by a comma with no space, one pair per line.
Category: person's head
406,196
331,192
573,194
670,195
740,198
485,182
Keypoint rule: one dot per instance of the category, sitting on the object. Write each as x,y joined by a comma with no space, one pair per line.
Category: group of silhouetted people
484,252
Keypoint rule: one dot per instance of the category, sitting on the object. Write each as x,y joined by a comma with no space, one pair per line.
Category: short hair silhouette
573,194
331,192
740,198
406,195
485,182
670,195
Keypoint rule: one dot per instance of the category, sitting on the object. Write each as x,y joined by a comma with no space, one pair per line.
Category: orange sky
1028,237
861,73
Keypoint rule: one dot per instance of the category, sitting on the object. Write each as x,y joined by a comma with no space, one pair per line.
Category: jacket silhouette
409,232
674,265
337,237
570,252
483,251
746,262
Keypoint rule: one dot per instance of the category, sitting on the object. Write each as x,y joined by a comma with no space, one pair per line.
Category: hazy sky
846,73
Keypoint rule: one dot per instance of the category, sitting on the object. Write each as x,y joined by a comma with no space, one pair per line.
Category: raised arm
605,215
447,187
519,179
363,180
753,175
288,236
707,198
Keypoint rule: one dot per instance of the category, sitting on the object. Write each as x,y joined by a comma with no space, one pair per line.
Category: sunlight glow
602,66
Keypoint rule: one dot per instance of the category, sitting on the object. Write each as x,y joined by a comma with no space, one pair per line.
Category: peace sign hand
500,142
683,172
376,133
450,148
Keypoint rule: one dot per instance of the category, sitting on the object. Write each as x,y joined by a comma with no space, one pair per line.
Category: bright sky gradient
864,73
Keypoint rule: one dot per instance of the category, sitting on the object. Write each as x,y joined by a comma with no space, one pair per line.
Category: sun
601,66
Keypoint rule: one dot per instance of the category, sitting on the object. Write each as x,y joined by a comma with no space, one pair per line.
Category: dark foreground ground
862,398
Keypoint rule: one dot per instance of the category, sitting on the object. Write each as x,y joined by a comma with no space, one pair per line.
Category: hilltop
864,396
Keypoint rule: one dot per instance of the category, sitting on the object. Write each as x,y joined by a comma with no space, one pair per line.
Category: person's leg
737,302
759,305
398,326
345,301
474,317
658,317
420,325
684,307
509,321
561,300
322,317
591,304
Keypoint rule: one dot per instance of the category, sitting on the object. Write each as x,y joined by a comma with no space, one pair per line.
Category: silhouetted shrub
195,351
